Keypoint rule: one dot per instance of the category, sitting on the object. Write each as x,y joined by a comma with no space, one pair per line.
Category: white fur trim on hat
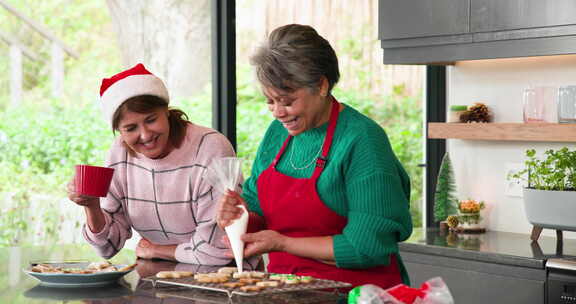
131,86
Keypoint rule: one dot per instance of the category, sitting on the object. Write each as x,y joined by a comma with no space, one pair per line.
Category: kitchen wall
480,166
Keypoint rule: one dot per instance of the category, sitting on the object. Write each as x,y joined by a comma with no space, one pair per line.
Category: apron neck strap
321,160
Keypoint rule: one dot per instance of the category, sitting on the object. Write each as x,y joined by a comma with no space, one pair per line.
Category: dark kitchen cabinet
417,18
475,282
498,15
492,267
444,31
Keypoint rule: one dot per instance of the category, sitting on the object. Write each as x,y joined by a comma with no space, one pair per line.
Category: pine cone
478,112
452,221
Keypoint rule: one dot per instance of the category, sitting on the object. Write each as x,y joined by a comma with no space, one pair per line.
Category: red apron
292,207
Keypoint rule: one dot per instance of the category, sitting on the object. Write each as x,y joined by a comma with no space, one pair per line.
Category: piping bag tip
235,232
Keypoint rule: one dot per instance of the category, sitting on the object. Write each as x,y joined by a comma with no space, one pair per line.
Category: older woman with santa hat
157,189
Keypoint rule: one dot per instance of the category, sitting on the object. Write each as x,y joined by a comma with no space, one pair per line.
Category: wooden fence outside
17,50
350,26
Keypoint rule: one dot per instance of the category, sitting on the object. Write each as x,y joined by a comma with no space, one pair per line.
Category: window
389,94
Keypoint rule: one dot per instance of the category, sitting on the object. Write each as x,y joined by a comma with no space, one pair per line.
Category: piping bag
235,232
223,174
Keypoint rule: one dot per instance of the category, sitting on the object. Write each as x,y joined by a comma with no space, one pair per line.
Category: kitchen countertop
17,287
505,248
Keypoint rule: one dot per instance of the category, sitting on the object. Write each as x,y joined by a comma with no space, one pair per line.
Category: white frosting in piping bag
234,232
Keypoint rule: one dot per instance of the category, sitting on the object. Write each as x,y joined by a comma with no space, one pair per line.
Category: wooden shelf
547,132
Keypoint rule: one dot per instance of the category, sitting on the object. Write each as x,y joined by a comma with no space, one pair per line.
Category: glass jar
539,102
567,104
455,112
533,110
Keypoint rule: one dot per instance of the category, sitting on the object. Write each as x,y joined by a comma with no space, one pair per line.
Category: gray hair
295,56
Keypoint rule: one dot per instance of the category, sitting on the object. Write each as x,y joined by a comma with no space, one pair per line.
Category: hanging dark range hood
445,31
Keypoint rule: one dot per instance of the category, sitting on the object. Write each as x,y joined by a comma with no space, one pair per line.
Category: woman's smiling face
146,133
299,110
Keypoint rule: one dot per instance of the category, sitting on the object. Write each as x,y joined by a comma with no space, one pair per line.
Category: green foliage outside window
43,138
40,142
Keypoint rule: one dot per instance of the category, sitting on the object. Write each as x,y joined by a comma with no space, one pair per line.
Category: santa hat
127,84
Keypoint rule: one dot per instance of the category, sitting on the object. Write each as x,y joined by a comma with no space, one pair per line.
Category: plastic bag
433,291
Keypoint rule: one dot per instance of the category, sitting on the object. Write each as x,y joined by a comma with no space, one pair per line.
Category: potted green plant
469,214
550,194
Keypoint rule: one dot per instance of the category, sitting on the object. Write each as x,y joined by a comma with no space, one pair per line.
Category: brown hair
149,103
295,56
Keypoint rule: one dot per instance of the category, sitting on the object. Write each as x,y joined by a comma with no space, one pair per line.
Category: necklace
308,164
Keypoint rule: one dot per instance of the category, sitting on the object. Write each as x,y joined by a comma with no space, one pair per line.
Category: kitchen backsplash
481,167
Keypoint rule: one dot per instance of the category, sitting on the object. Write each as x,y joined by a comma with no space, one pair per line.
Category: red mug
93,180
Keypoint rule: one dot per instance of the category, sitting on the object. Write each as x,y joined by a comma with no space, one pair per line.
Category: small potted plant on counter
550,195
469,217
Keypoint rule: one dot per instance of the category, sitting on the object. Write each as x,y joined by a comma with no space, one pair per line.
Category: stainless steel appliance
561,282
